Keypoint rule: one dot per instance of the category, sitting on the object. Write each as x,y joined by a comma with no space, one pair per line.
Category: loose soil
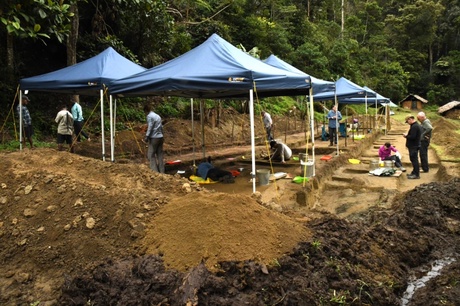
76,230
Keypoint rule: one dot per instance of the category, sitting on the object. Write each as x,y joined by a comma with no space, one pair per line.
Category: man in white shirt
64,119
268,123
281,152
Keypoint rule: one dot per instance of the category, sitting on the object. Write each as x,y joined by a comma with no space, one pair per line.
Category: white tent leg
312,130
20,120
202,129
253,143
193,131
114,123
365,102
337,126
111,128
102,124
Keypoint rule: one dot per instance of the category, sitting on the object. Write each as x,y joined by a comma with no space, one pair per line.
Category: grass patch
13,145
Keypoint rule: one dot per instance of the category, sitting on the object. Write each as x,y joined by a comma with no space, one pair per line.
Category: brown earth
75,230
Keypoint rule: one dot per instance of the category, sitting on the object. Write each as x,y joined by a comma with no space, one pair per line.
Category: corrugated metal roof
448,106
412,97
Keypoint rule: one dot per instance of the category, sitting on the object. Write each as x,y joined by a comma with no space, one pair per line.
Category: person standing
413,145
385,154
334,116
78,121
154,139
281,152
64,120
26,119
424,140
268,124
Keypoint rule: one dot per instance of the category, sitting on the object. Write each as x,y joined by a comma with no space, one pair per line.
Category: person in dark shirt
413,137
207,170
27,120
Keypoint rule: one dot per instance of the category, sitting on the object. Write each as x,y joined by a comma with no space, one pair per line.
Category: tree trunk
72,39
10,57
430,56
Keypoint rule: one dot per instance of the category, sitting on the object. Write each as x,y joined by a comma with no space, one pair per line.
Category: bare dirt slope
75,230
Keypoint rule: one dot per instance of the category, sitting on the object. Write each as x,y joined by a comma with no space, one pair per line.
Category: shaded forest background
394,47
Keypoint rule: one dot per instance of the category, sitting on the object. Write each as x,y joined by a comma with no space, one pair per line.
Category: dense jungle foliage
395,47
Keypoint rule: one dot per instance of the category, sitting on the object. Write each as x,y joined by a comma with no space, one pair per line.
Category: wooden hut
412,102
450,110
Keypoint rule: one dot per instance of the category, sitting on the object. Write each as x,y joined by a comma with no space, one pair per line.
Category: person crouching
281,152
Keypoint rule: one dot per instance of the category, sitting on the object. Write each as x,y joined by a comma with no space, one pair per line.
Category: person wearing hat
27,120
413,137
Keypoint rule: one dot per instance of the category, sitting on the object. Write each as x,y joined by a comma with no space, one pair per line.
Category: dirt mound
220,227
343,263
444,132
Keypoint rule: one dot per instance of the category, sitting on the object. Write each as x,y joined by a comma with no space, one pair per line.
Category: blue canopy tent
344,89
89,77
214,69
379,99
318,86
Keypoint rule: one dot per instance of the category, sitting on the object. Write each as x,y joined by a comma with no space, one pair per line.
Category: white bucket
263,176
306,168
303,157
374,164
388,164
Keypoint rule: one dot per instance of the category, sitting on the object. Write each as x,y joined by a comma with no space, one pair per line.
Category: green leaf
10,28
42,13
37,27
43,35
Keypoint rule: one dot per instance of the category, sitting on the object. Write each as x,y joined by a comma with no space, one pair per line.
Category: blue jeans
413,156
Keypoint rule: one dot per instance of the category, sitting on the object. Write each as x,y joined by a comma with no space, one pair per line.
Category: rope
87,121
9,112
141,149
266,143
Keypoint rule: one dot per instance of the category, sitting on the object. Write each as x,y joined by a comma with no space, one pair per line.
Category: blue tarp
214,69
344,89
87,77
361,100
318,84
